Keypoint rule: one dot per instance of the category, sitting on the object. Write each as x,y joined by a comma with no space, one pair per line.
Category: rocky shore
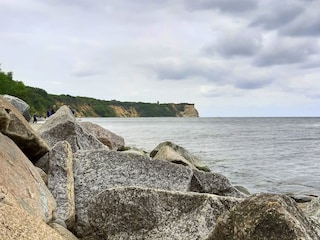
64,179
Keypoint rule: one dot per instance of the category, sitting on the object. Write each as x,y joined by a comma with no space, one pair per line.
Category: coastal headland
43,104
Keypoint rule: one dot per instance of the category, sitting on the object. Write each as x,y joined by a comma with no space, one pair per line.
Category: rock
133,150
43,175
63,231
312,210
20,105
108,138
43,163
214,183
97,170
171,152
15,126
17,224
63,126
58,221
243,190
21,184
299,198
265,216
61,183
138,213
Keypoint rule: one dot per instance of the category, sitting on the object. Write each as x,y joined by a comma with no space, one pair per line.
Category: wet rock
62,126
173,153
108,138
97,170
21,184
61,182
265,216
138,213
15,126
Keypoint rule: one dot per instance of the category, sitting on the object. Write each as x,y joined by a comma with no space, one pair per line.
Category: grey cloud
182,70
294,18
312,63
114,7
243,43
223,5
286,51
218,75
305,25
86,73
82,69
278,15
251,84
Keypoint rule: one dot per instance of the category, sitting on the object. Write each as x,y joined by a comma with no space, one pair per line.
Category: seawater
276,155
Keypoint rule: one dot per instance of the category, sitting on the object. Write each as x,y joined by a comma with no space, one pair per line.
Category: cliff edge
185,110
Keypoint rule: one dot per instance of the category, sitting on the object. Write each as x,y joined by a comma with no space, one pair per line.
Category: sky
228,57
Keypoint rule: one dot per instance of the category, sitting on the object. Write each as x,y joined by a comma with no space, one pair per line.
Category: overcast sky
229,57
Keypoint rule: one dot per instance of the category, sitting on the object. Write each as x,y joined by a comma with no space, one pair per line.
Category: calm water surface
279,155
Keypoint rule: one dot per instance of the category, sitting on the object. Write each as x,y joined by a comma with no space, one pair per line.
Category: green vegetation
40,101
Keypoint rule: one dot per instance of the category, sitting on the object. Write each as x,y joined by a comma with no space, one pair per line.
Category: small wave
307,139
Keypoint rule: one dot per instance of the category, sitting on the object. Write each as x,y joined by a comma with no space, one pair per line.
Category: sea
274,155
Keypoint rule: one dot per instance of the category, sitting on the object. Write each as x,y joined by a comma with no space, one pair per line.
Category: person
35,120
71,109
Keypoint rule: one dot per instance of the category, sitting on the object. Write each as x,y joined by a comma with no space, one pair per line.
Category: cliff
40,102
131,109
189,111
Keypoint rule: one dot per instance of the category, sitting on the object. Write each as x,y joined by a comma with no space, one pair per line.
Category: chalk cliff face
130,109
189,111
125,112
137,110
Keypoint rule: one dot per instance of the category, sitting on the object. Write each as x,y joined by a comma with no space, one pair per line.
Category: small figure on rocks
71,109
35,120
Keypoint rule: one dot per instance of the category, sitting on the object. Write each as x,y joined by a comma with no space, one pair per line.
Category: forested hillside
40,101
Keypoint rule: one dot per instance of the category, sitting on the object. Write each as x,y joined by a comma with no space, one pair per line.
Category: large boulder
214,183
61,183
21,184
63,126
97,170
265,216
174,153
15,126
138,213
108,138
17,224
20,105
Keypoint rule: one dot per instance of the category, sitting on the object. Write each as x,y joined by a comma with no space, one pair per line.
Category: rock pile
87,189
